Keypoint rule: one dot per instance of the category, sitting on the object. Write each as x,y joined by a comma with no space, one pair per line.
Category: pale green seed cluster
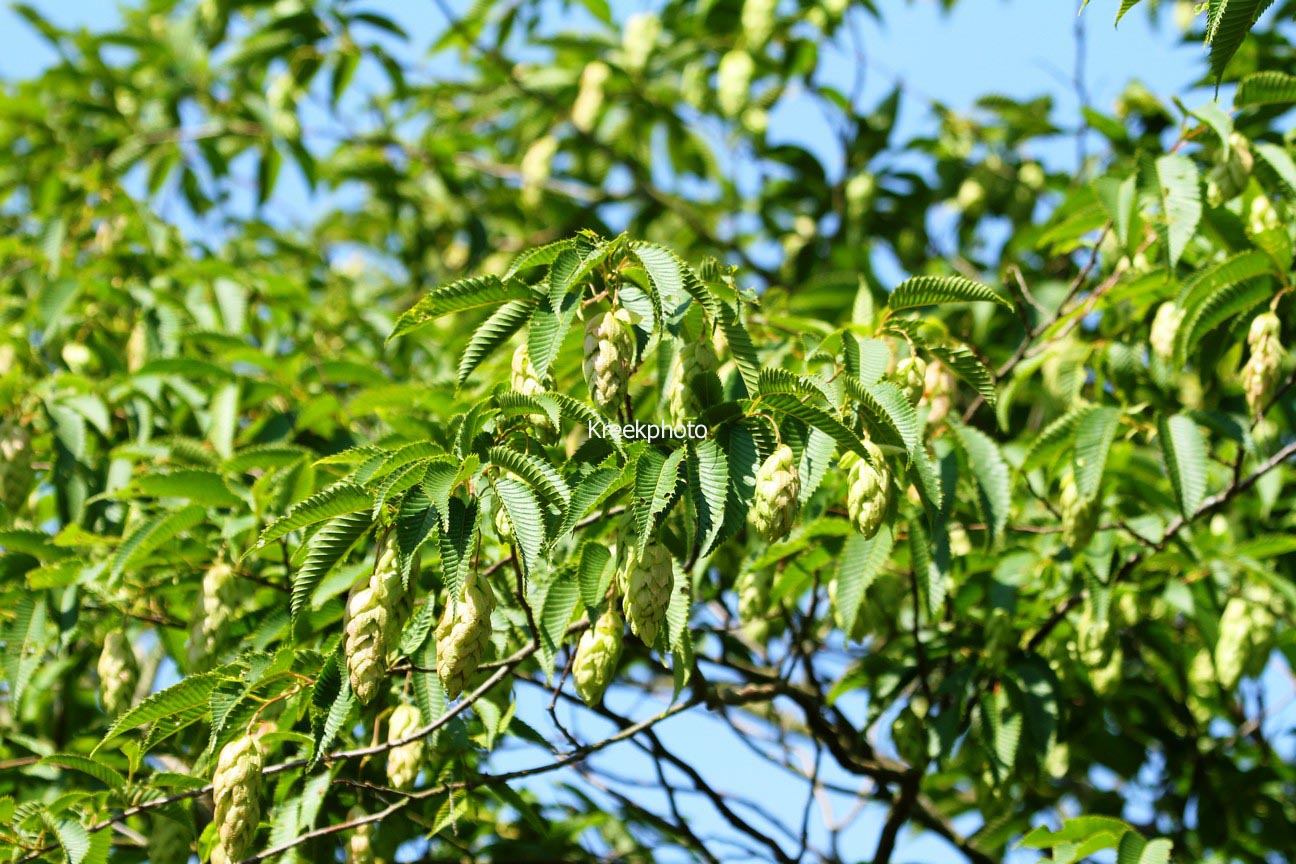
118,673
609,358
1165,328
375,614
1079,515
359,848
1260,375
524,380
236,793
404,760
911,376
693,359
868,495
733,81
589,97
463,635
220,602
777,497
648,583
597,656
639,39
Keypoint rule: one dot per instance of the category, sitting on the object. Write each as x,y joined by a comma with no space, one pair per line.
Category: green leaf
860,563
555,614
457,543
708,470
1094,435
1218,120
24,637
670,274
154,533
537,472
886,405
1280,162
1227,24
816,459
589,490
94,768
207,487
332,698
334,501
528,522
740,346
784,403
473,293
190,692
1126,5
591,573
1181,205
932,290
967,366
72,836
492,333
1184,450
1266,88
327,547
988,467
538,256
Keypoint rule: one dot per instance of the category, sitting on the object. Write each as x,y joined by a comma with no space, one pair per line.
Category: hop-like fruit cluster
359,848
118,673
536,168
589,97
1079,515
1165,326
777,497
758,21
236,792
753,590
16,473
404,760
375,614
733,81
597,655
1260,375
648,583
1233,647
220,602
868,497
911,376
639,39
694,359
463,634
609,358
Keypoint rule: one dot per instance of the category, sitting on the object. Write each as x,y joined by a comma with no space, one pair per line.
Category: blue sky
1021,48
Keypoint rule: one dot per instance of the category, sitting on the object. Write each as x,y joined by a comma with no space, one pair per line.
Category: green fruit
376,612
868,495
589,98
597,656
220,604
118,673
359,848
1165,326
463,634
639,39
403,760
1234,643
236,794
733,81
776,501
609,358
1262,370
694,359
911,376
648,582
1079,515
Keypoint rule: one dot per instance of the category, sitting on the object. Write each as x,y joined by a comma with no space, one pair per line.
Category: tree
299,513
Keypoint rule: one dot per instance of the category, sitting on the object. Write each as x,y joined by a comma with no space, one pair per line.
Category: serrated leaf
1181,206
860,563
664,267
888,406
1054,438
189,693
528,522
1126,5
589,490
1266,88
708,470
492,333
1094,435
72,836
740,346
933,290
327,547
153,534
538,474
1184,450
591,573
555,613
473,293
1280,162
457,543
967,366
818,418
816,458
988,468
1227,24
334,501
98,770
